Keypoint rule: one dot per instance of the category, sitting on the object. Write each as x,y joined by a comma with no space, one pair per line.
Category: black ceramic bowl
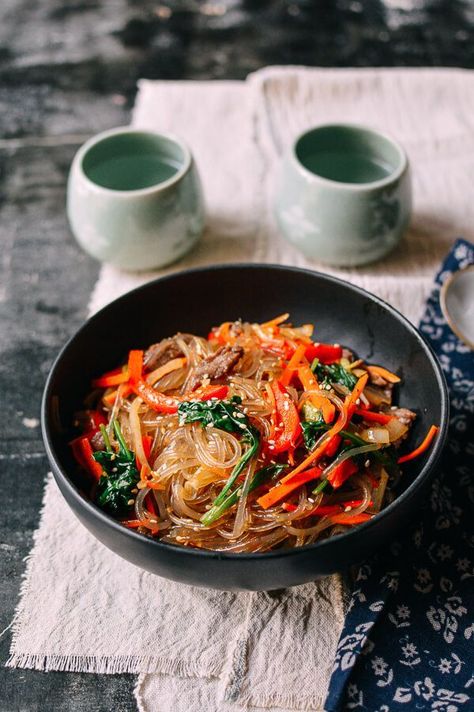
194,301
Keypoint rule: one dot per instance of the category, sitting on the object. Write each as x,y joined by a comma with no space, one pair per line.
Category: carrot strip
132,523
110,398
292,365
113,378
283,490
161,371
309,382
371,416
384,373
135,365
351,400
424,445
275,322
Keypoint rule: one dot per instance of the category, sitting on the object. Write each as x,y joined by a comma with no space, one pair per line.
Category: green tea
347,167
132,171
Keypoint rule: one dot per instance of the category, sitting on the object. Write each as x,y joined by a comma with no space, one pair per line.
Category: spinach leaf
225,415
120,475
333,373
218,413
269,472
312,429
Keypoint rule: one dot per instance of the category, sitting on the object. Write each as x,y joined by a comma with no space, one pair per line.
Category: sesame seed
348,508
134,491
130,502
310,499
242,426
358,401
113,456
114,469
153,521
367,463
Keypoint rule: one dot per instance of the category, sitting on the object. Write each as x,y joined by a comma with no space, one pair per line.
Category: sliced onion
376,396
379,435
396,429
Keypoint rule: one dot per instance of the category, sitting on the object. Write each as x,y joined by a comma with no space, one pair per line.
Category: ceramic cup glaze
344,194
134,199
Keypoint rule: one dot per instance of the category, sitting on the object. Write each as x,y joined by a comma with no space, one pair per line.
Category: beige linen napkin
83,608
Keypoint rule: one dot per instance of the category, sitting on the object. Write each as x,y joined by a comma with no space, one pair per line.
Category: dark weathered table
68,69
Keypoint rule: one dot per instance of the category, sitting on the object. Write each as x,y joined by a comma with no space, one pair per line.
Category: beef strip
217,365
158,354
404,415
97,442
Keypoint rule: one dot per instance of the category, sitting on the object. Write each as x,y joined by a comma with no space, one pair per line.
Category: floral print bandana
408,638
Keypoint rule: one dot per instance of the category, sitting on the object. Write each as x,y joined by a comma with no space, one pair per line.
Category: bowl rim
94,511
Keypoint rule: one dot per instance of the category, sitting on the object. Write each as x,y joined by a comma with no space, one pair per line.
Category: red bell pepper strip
287,421
333,446
324,510
356,519
82,451
267,500
135,365
151,504
372,416
147,442
326,353
169,404
342,472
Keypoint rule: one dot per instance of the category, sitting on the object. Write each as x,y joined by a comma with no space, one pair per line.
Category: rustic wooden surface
69,69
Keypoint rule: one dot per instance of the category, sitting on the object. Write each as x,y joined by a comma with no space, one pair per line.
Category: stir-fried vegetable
257,436
334,373
119,474
263,475
226,416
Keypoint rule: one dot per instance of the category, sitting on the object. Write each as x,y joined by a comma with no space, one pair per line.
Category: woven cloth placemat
83,608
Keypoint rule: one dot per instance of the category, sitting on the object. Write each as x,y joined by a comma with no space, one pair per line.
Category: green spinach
269,472
333,373
120,475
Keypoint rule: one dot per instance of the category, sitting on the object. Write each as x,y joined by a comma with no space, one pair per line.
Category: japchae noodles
253,438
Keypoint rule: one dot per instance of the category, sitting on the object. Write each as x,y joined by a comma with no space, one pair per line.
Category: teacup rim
371,185
136,192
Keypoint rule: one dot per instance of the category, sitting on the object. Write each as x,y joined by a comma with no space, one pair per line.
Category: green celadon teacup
134,198
344,194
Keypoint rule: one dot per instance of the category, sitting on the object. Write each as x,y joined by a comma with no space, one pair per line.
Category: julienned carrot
267,500
132,523
161,371
351,400
275,322
356,519
372,416
324,510
292,365
432,432
135,365
309,382
125,390
279,491
384,373
112,378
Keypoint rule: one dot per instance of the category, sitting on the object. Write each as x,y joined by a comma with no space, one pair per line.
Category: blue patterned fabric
408,637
